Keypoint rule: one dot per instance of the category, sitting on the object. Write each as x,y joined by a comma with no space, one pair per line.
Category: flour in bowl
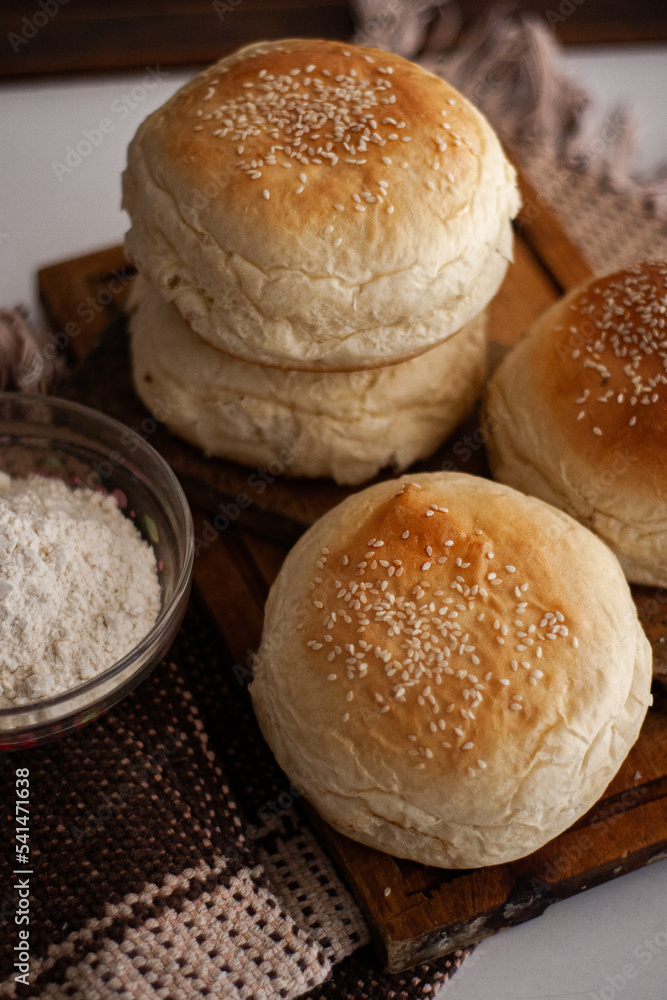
78,587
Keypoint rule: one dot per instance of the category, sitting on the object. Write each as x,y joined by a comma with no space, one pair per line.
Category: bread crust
347,425
262,263
420,753
584,414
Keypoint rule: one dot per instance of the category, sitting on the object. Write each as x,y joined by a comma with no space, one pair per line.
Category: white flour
78,587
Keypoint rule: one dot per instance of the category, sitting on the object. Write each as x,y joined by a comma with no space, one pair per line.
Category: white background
584,947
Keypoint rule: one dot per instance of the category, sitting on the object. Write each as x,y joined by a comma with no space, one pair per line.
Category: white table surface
609,942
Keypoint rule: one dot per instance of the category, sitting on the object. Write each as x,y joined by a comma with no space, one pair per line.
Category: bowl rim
180,589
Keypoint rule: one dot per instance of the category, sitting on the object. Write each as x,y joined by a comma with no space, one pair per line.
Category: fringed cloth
24,366
510,67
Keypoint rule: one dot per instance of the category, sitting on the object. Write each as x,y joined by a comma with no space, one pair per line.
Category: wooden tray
428,911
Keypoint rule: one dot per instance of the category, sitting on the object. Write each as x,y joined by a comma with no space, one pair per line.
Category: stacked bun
317,208
342,424
578,414
450,671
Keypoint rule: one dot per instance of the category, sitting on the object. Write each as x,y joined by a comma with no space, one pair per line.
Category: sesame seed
515,706
266,194
387,890
346,717
329,229
467,746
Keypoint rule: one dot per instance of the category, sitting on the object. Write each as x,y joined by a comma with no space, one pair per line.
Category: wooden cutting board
428,911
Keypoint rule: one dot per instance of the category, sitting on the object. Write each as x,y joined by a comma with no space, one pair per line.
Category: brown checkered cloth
169,862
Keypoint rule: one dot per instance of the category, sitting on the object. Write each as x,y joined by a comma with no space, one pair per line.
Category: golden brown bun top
601,357
319,145
450,670
453,623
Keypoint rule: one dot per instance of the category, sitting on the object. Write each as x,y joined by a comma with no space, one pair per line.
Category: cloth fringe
24,366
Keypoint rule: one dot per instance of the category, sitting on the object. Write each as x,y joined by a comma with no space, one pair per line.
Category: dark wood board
431,911
101,35
428,911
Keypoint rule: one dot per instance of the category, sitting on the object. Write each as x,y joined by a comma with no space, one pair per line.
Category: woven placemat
169,860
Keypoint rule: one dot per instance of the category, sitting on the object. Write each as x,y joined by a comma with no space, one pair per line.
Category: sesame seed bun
310,204
450,671
581,410
348,425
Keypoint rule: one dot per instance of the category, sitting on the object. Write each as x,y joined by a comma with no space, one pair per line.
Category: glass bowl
53,437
